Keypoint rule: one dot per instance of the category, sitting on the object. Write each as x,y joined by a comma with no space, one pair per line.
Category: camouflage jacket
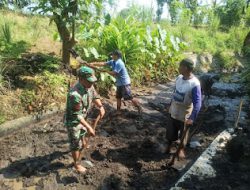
78,104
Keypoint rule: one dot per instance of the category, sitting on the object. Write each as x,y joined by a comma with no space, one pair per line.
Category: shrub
45,91
236,38
2,118
106,82
226,60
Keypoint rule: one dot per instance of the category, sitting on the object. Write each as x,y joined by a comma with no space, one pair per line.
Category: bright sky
124,3
152,3
147,3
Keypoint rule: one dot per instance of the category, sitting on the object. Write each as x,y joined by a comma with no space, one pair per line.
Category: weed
46,91
6,33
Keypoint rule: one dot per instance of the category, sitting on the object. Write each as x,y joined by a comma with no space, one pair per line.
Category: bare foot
181,154
80,168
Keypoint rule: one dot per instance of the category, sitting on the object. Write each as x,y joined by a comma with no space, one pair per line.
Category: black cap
118,53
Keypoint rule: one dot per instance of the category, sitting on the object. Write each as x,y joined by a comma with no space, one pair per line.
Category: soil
127,152
232,167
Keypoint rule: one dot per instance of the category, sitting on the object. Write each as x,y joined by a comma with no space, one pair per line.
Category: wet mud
127,152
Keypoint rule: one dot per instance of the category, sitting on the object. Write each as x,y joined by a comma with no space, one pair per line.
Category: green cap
87,73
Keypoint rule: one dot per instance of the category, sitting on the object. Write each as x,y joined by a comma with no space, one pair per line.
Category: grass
35,32
204,40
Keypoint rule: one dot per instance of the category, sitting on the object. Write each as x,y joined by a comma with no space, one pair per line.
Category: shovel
176,154
169,165
94,127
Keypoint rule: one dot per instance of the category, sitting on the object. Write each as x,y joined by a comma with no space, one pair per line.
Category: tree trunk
66,45
67,41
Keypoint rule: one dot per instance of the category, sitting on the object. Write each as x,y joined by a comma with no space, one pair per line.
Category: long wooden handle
179,146
96,121
238,114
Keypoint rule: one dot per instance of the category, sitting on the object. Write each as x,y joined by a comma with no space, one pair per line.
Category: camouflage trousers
75,134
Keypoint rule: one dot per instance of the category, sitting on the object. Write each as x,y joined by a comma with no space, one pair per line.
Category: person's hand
73,53
189,122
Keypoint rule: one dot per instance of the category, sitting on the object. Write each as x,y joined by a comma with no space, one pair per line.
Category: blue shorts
124,92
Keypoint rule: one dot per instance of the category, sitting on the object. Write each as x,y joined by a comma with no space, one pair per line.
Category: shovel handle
238,114
179,146
96,121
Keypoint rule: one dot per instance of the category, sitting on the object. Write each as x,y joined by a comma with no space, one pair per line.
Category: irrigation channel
128,150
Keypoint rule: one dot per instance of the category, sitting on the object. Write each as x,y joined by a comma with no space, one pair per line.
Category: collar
81,89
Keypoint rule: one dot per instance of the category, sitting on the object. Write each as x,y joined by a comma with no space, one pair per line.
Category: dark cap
188,62
117,52
87,73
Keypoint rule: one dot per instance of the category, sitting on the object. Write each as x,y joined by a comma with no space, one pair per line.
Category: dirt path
127,153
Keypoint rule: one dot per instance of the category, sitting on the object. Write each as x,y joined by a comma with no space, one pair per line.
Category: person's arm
97,101
95,65
99,105
196,99
90,130
98,64
76,106
112,73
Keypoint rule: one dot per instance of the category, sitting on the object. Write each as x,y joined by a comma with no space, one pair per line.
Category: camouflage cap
87,73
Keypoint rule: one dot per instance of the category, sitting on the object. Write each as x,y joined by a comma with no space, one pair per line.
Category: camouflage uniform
78,105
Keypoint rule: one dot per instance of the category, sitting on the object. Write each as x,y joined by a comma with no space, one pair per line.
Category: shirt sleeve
196,99
118,67
76,106
94,94
109,63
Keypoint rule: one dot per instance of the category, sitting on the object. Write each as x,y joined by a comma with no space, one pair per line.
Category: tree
192,5
175,7
138,12
160,4
230,13
65,14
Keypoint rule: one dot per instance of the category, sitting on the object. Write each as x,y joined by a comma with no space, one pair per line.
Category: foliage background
31,47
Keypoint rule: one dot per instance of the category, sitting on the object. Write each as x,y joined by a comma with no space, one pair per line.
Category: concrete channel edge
202,166
11,126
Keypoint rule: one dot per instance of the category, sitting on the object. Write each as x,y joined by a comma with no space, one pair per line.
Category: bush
236,38
45,91
2,118
105,83
226,60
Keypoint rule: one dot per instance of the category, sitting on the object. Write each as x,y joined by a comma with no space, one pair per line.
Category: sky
151,3
147,3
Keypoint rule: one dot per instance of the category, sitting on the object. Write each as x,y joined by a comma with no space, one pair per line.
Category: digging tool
82,62
169,165
238,115
176,154
88,137
94,127
96,121
197,127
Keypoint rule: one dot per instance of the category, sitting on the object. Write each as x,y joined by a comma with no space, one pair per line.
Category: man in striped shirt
185,104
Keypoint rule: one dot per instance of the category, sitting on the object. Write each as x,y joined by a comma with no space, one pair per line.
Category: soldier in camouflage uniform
79,101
